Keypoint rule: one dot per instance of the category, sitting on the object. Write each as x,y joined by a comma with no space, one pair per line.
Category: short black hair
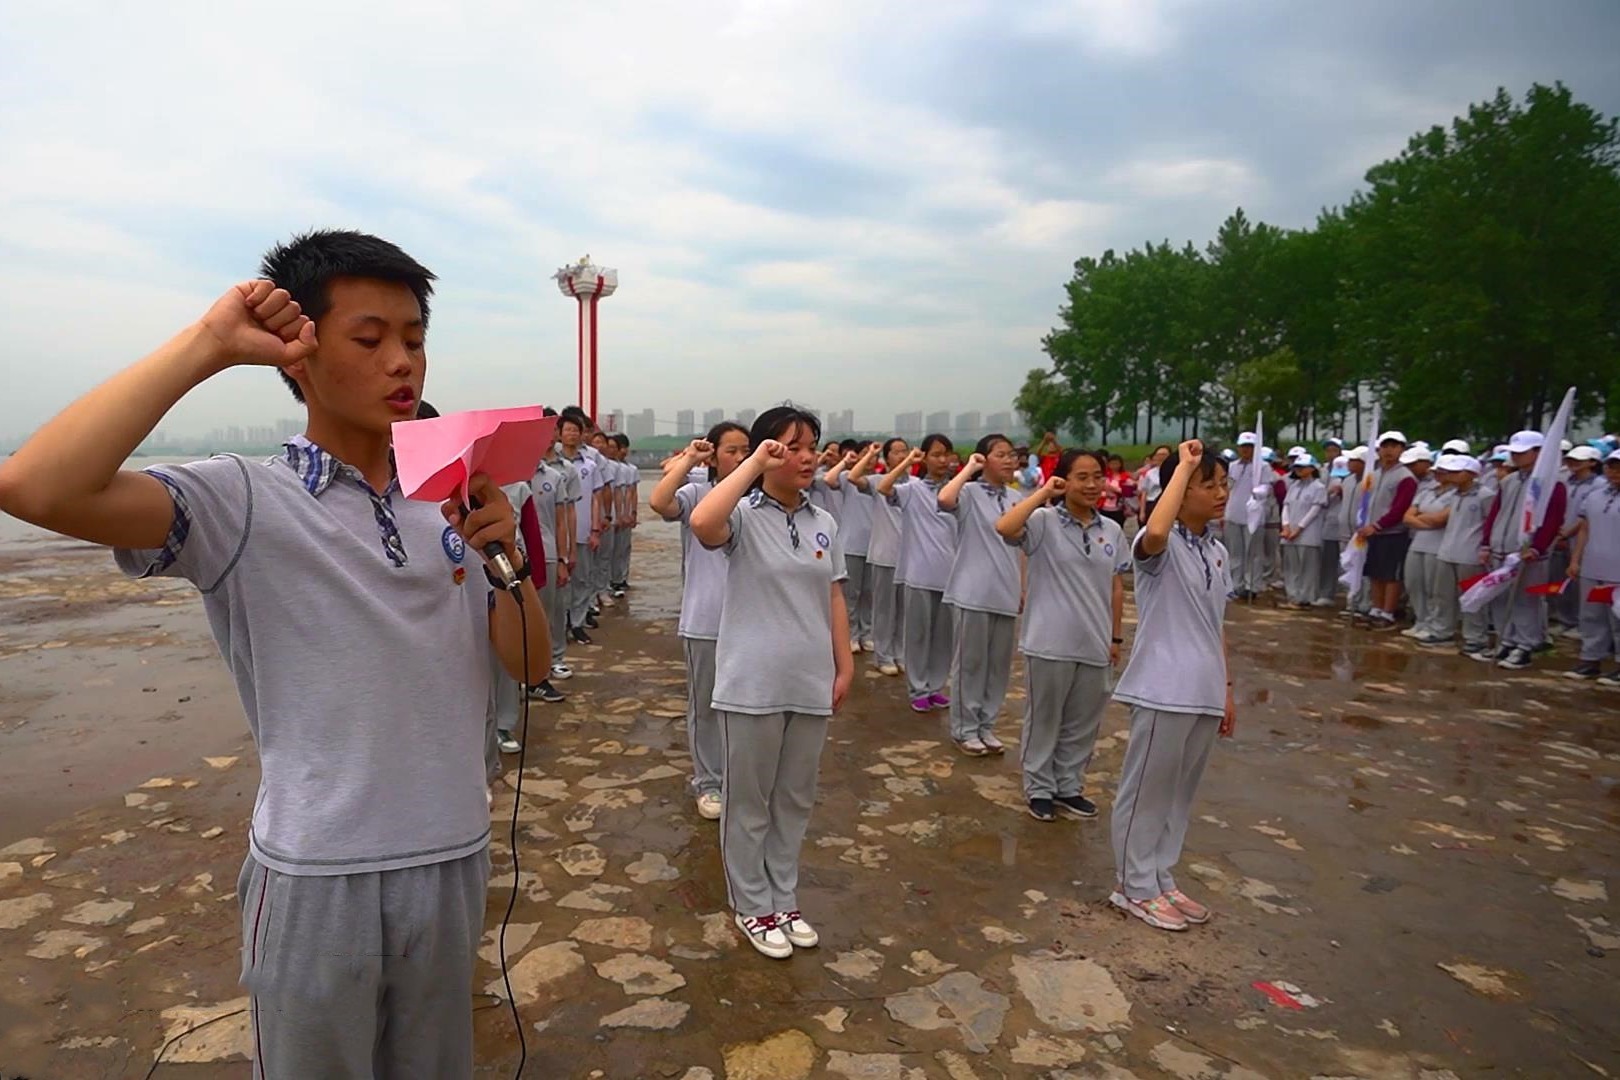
307,264
577,414
424,411
988,443
1206,466
622,439
718,432
850,446
937,439
888,445
1066,460
774,423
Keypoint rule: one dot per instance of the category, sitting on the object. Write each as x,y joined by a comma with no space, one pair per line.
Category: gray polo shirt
927,536
1070,611
884,550
984,574
592,478
1306,505
824,497
1431,499
854,518
1601,512
775,645
1333,523
1178,662
703,586
1504,537
1463,535
356,626
546,488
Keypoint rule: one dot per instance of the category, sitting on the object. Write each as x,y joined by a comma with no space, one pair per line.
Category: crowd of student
1433,521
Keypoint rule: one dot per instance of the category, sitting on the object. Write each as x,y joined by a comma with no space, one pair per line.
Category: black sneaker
1586,670
1517,660
547,693
581,636
1076,806
1041,810
592,623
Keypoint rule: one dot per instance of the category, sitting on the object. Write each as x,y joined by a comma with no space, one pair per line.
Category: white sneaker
765,936
561,671
709,806
855,645
972,746
1411,632
992,744
889,669
797,931
507,743
868,646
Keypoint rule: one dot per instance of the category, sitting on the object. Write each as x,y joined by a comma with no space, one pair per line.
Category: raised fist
257,323
771,455
975,463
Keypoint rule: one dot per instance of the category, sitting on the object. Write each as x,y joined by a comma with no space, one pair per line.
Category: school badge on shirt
455,549
823,542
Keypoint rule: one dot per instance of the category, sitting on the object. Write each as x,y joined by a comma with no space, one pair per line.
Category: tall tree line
1467,284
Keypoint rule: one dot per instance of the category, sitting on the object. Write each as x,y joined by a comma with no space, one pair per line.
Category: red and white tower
587,283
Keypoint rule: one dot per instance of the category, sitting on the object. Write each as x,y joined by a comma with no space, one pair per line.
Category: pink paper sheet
436,458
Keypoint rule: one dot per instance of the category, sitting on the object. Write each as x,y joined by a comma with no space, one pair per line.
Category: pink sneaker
922,704
939,701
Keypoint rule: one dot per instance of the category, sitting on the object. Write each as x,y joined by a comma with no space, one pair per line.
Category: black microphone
495,553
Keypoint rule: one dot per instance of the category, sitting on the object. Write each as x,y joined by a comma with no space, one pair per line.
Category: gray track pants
582,586
1600,629
858,597
770,788
1521,619
622,540
702,722
1302,572
981,668
1328,573
554,600
888,614
928,641
1418,577
361,975
1246,557
1163,764
1446,613
502,712
1066,703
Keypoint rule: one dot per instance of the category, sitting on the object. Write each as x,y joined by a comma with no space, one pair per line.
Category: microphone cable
511,903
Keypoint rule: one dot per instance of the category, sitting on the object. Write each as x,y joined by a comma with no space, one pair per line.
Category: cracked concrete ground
1411,859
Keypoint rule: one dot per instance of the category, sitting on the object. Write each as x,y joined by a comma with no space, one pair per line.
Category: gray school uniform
1334,534
1067,636
1600,565
1176,684
927,551
370,814
703,597
1306,508
1565,610
855,529
602,564
1458,560
504,708
1519,617
888,594
629,477
555,485
1422,570
773,689
1247,553
582,586
983,592
825,498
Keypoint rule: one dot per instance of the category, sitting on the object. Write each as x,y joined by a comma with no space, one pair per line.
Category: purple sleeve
1404,493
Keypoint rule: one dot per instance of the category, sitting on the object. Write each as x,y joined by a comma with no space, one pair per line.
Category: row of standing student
797,561
579,510
1437,520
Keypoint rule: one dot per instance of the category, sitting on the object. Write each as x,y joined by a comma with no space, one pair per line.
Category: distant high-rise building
286,429
612,421
686,423
938,422
999,421
712,417
640,425
841,422
967,427
747,417
909,425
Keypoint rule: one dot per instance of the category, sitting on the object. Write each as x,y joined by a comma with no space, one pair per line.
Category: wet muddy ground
1410,856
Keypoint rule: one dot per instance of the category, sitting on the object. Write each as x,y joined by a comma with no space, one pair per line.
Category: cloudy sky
869,205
